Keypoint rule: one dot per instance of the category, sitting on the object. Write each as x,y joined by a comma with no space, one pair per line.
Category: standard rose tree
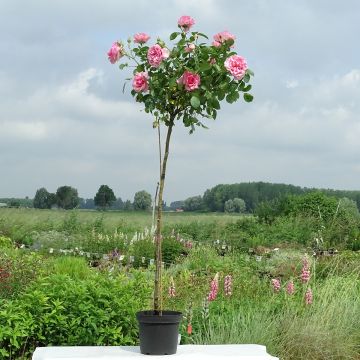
182,82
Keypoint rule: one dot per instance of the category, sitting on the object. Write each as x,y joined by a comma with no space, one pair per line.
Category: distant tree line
246,197
66,197
232,198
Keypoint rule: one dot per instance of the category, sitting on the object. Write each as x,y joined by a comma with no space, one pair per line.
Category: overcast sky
65,121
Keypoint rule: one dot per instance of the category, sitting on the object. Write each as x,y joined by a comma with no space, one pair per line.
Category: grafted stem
158,237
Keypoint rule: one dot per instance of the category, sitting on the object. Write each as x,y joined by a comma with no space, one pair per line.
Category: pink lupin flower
214,288
172,290
228,285
276,285
290,288
305,271
308,297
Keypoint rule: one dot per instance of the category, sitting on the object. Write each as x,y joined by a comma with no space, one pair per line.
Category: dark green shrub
59,310
18,269
171,250
142,249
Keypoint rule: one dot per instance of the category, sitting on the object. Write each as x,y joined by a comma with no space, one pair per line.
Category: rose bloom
189,48
236,65
165,52
140,82
116,52
156,54
222,37
141,38
191,81
186,22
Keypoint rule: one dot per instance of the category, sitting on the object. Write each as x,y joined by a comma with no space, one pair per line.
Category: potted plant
182,83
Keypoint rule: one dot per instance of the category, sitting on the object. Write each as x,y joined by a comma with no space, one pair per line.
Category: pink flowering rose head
223,37
141,38
116,52
191,81
190,48
156,54
236,65
140,82
186,22
165,53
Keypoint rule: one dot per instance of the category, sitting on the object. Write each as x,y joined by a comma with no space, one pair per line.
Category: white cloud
21,130
291,84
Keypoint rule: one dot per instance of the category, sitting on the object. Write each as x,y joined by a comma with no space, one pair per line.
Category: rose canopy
183,82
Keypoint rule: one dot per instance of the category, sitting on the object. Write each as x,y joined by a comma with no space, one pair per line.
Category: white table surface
252,352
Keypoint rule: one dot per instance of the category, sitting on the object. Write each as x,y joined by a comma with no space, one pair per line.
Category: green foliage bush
172,249
6,242
60,310
18,269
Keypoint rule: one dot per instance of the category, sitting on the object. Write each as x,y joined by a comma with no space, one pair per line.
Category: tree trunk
158,238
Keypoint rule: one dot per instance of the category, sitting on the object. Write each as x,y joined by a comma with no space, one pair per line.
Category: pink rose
165,52
116,52
186,22
189,48
141,38
221,37
191,81
236,65
156,54
140,82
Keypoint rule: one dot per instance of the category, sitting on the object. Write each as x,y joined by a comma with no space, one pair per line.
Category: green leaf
215,104
247,88
195,102
248,97
214,114
246,78
172,82
174,35
250,72
204,66
122,66
123,89
203,35
221,95
232,97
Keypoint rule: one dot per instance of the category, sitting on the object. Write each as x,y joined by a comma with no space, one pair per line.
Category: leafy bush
59,310
142,248
18,269
6,242
171,250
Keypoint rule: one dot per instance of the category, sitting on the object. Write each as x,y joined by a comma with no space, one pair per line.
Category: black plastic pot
158,334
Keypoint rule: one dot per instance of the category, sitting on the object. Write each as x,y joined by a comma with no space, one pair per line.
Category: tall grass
327,329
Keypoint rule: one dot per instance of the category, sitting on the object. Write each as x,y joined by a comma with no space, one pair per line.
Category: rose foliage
186,80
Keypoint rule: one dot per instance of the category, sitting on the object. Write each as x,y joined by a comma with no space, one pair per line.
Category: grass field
111,219
83,275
